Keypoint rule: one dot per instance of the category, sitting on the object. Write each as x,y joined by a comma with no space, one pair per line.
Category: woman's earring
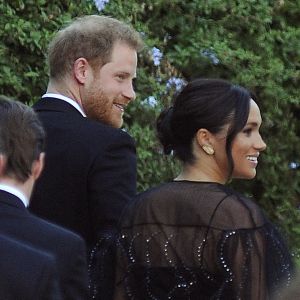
208,149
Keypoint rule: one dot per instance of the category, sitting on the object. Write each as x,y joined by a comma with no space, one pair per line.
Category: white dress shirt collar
12,190
67,99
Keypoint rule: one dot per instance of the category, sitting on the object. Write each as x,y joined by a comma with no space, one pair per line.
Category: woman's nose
260,145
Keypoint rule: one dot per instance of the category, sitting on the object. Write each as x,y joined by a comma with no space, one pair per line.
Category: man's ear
3,161
37,166
81,69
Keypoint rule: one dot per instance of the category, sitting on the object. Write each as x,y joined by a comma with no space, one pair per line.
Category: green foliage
254,43
152,165
25,30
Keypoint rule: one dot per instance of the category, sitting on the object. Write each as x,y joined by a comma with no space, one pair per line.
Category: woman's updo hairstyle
203,103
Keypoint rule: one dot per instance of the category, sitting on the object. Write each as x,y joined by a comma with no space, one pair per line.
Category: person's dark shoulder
142,197
37,274
236,211
59,233
151,204
152,193
108,133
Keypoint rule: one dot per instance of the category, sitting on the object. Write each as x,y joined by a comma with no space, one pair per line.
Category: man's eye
122,77
134,83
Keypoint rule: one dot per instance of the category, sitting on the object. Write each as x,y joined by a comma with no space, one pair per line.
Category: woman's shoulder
237,211
196,204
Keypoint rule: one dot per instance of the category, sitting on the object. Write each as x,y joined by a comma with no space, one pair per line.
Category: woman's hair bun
164,131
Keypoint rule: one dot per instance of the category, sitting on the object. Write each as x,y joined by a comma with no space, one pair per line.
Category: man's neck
17,190
24,188
64,88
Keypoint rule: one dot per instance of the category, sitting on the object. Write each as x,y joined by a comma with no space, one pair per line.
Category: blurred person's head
22,140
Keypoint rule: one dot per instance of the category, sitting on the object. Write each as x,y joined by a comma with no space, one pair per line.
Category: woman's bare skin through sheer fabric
195,240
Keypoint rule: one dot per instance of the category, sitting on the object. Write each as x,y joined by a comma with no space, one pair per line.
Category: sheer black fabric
101,266
196,240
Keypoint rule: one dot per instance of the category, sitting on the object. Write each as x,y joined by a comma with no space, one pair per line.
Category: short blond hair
91,37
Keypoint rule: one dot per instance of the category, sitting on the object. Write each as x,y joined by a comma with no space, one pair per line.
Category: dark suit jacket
67,248
26,273
88,179
89,174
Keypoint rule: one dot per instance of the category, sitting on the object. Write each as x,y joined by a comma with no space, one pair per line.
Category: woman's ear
203,138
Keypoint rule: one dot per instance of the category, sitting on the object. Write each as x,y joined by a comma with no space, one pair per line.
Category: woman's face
247,145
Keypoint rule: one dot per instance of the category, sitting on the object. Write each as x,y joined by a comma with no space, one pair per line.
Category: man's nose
129,92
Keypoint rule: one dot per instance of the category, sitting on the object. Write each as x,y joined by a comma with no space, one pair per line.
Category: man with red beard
90,165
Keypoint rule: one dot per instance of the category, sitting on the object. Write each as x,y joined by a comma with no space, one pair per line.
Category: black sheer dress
197,240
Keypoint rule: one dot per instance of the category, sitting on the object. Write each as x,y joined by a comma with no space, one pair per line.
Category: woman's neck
195,173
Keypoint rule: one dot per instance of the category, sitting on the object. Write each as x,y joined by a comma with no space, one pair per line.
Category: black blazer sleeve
47,285
77,282
112,181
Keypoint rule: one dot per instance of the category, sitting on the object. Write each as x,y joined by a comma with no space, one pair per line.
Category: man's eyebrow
125,73
122,72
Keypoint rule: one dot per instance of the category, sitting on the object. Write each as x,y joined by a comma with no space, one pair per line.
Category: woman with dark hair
194,237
